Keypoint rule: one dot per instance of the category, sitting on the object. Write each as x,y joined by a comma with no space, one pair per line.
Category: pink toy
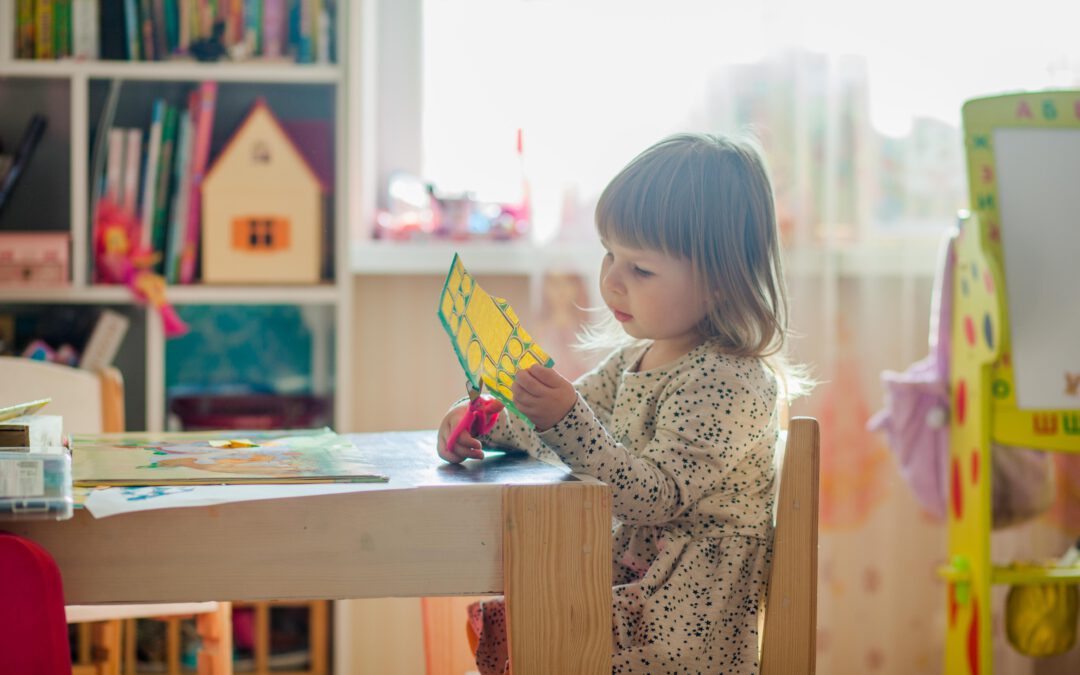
121,261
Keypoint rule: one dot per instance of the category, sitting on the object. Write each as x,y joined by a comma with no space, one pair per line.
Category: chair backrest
90,402
788,641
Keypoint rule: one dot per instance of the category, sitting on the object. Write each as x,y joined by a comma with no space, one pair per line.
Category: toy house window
257,234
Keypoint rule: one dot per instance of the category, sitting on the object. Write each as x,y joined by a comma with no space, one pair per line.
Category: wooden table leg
557,578
215,632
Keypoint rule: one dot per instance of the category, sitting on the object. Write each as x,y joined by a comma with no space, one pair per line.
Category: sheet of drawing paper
486,335
148,459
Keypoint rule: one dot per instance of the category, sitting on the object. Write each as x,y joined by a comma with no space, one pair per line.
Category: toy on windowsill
417,209
121,261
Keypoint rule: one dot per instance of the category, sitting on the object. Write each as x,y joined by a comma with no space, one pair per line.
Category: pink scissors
479,418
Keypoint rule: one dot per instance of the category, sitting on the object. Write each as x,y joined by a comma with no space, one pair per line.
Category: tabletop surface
410,460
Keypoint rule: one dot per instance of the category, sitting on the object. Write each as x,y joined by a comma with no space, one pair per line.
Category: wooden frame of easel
983,383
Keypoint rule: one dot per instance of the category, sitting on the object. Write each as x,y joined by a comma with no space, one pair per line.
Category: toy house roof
261,105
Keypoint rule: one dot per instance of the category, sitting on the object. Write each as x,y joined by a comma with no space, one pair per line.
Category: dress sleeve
600,385
597,387
706,431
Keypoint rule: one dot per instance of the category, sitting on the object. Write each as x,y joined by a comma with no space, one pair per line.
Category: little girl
681,418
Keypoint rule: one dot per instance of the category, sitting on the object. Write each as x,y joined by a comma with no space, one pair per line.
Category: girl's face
653,295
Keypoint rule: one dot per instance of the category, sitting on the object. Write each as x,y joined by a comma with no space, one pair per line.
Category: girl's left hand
543,395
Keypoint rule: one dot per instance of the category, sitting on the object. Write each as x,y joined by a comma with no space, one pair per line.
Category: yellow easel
982,378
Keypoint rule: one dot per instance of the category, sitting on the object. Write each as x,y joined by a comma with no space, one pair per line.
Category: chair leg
317,629
84,650
262,638
106,647
215,632
131,638
172,645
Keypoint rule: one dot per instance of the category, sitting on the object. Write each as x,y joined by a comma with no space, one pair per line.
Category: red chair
34,638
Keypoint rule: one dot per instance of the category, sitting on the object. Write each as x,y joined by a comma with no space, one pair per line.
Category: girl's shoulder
709,363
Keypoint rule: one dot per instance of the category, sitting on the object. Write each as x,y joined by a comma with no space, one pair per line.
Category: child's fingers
545,376
526,382
468,447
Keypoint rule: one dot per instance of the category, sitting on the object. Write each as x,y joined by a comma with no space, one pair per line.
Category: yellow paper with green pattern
487,336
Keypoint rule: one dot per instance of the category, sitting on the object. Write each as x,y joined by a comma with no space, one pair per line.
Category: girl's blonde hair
708,199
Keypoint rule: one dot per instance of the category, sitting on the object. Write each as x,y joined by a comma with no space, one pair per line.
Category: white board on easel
1038,179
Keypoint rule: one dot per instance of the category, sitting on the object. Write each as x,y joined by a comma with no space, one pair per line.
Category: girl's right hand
466,447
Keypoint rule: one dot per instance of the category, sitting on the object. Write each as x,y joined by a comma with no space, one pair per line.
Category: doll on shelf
121,261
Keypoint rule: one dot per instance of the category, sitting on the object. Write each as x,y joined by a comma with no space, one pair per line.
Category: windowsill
914,257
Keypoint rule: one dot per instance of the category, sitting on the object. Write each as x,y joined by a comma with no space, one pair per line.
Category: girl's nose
611,281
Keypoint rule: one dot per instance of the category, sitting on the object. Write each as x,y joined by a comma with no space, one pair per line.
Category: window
260,234
857,108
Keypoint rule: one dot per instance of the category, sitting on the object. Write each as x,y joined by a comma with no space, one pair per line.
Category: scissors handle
479,418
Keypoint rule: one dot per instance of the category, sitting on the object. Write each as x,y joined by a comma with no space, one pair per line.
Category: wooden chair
94,403
790,634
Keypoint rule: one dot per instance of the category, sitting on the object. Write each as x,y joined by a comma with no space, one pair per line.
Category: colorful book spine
158,28
45,25
24,46
273,28
114,166
84,29
323,27
164,183
252,26
132,160
172,26
183,26
182,192
149,197
133,29
203,127
62,28
146,29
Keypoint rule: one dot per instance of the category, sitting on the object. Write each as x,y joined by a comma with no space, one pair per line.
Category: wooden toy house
262,208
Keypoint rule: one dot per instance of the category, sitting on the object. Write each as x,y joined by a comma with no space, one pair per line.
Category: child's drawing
201,458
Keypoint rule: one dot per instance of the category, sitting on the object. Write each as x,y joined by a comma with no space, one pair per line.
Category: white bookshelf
78,78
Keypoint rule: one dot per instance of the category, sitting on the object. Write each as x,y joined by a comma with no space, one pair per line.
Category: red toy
120,261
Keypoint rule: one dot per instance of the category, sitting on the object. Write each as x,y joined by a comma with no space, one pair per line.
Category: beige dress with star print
688,450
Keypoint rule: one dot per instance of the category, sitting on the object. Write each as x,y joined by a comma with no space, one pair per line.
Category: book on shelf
62,28
150,172
157,30
32,431
177,227
84,29
105,340
205,103
44,29
132,164
163,191
115,165
157,182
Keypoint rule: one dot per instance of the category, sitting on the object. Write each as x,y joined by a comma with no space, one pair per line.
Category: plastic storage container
35,485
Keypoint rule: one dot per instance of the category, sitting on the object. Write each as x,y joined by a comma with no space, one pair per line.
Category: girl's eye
642,272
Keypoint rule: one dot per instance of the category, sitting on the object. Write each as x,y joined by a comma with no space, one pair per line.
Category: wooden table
509,524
